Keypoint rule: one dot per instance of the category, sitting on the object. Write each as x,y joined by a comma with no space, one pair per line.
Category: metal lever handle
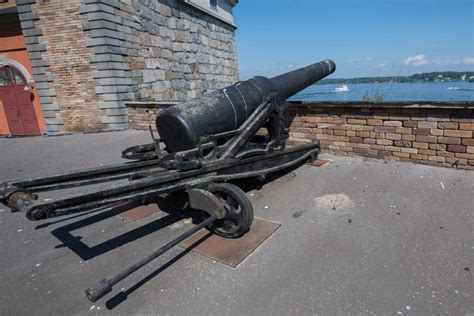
105,286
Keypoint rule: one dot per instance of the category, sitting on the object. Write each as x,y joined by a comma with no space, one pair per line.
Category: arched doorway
15,93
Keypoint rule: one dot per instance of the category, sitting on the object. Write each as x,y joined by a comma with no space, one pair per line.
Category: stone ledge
394,104
150,104
24,2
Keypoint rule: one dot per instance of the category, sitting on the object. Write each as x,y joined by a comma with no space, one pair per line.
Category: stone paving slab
230,251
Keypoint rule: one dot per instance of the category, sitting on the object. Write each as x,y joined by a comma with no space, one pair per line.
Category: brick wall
67,60
141,115
89,57
435,134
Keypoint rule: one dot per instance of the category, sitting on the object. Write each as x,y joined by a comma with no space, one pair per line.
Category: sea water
426,91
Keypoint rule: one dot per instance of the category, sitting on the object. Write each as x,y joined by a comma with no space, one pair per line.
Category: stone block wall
436,134
183,52
161,50
91,56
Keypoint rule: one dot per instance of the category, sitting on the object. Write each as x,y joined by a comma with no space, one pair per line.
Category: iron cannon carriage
237,132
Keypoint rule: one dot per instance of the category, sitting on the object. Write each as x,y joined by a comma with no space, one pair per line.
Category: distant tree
423,77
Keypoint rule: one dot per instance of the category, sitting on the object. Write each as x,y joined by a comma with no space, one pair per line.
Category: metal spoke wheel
238,208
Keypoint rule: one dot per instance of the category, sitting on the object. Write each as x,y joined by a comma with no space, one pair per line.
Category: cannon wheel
239,211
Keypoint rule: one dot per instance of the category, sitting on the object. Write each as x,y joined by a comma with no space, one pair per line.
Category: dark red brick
449,140
384,129
356,140
457,148
402,143
410,123
426,139
421,131
383,153
360,150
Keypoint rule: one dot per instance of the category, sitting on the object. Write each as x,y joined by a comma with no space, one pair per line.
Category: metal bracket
206,201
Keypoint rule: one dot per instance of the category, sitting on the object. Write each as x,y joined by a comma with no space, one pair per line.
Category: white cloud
418,60
381,66
468,60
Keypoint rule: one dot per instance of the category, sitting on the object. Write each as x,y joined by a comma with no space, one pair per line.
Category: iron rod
151,132
105,286
86,174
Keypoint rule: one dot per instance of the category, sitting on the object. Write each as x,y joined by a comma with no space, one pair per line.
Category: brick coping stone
391,104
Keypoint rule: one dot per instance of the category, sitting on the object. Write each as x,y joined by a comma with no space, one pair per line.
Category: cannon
237,132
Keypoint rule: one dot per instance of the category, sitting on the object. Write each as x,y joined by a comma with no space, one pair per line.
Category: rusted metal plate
231,251
140,212
318,163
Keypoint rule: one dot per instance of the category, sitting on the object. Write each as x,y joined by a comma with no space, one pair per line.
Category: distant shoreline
442,76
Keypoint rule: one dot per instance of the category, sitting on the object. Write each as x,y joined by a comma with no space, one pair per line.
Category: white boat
342,88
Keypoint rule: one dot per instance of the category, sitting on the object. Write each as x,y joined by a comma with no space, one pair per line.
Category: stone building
70,66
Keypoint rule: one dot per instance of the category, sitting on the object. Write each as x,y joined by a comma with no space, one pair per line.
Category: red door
16,98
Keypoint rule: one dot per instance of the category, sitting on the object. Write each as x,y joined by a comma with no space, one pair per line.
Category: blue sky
364,38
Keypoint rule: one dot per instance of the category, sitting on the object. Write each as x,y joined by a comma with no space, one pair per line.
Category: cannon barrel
181,126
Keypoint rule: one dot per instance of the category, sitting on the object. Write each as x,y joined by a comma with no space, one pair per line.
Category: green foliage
377,97
149,99
424,77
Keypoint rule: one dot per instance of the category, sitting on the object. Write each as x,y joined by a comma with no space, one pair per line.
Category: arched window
18,76
5,79
11,76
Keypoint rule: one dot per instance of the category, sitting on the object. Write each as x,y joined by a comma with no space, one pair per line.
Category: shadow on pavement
44,225
120,297
85,252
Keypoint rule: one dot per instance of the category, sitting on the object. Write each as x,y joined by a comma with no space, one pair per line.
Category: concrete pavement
357,236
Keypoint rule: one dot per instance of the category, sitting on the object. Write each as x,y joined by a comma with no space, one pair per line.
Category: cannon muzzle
290,83
182,126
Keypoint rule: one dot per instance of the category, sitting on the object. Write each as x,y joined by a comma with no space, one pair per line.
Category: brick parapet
438,134
430,133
